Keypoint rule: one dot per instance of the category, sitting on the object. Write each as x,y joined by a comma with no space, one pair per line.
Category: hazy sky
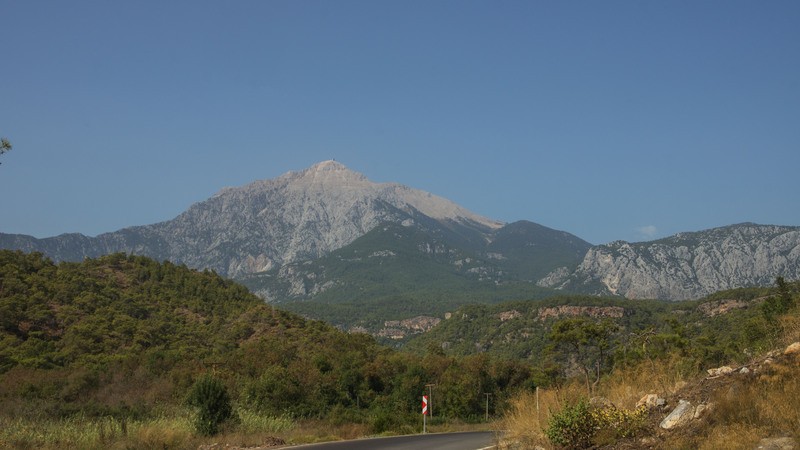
608,119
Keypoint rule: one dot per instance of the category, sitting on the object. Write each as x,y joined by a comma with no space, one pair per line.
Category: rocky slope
280,229
297,216
688,265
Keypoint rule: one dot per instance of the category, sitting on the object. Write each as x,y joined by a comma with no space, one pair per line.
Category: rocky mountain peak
328,173
265,224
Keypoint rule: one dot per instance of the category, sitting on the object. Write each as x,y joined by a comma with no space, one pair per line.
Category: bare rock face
297,216
266,224
692,265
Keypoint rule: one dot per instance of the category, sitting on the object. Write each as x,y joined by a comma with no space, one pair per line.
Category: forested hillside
125,337
554,334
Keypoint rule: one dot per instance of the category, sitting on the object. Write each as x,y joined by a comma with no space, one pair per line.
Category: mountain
388,251
298,216
688,265
402,270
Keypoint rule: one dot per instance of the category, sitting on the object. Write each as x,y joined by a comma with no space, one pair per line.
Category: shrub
213,404
578,426
572,427
623,423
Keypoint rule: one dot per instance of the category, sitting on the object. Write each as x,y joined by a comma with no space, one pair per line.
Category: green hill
726,326
396,272
125,337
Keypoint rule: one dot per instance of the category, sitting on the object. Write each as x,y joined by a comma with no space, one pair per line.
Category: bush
622,423
578,426
572,427
213,404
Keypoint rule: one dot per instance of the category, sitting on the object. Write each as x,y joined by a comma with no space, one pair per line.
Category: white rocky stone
700,410
719,371
681,415
651,401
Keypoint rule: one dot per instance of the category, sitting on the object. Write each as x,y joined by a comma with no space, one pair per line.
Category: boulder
681,415
719,371
792,349
700,410
651,401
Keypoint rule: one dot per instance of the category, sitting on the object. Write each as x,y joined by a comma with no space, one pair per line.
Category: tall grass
766,404
625,387
529,413
251,422
95,433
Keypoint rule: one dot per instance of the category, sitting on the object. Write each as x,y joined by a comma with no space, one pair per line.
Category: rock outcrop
691,265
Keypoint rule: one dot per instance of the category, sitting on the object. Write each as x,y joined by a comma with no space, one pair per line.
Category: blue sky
611,120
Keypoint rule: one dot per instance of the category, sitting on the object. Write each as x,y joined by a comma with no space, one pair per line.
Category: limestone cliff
689,265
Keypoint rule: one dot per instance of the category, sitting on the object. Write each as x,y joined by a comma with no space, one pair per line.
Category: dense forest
127,337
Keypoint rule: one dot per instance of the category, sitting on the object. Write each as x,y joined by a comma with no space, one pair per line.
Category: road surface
473,440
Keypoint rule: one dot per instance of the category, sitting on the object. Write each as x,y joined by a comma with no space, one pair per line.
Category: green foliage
5,146
573,427
125,336
586,341
780,302
395,272
580,425
213,406
526,336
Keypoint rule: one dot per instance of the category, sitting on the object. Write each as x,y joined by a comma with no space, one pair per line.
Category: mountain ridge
298,215
690,265
279,227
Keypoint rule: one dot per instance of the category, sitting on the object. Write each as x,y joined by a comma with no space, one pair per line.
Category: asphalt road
473,440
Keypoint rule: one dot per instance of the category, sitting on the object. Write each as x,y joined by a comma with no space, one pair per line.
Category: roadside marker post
424,414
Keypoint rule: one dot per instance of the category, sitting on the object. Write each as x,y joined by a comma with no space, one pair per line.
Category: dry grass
732,437
627,386
744,410
766,406
524,424
790,327
175,431
95,433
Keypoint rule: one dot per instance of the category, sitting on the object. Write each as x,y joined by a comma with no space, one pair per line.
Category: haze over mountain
329,233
